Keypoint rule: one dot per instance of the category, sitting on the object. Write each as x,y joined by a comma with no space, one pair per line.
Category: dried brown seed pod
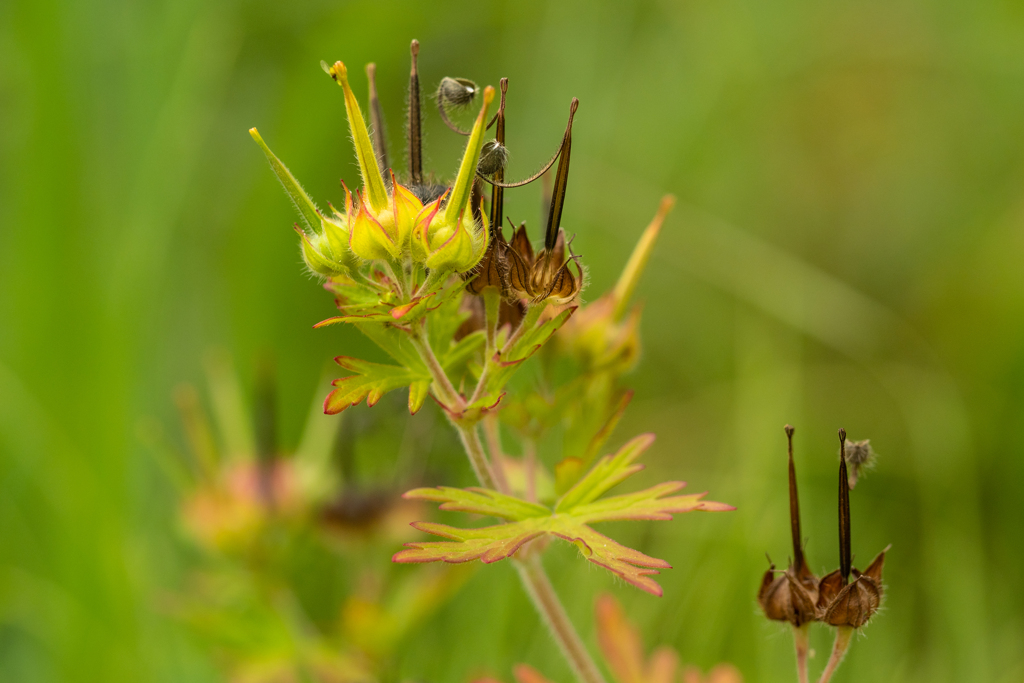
791,595
851,604
840,601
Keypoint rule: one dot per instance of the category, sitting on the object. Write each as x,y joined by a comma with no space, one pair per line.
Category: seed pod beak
376,193
467,170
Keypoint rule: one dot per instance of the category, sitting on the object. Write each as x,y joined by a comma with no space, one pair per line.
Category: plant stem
492,307
539,587
442,385
531,571
530,319
398,282
446,392
492,477
839,647
492,434
802,643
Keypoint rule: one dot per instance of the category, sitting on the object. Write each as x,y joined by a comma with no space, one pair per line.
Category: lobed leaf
570,520
371,382
609,471
480,501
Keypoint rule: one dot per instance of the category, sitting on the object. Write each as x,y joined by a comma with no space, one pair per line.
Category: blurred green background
846,251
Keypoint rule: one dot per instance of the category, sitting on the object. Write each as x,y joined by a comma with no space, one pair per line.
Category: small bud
493,158
370,240
459,251
456,92
316,252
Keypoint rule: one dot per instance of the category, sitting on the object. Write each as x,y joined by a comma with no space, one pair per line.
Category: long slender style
845,557
415,119
561,183
801,637
380,145
497,191
794,506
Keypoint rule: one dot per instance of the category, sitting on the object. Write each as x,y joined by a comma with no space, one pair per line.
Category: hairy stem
529,320
481,384
839,647
443,386
533,312
446,392
490,475
493,435
802,642
393,276
544,598
531,571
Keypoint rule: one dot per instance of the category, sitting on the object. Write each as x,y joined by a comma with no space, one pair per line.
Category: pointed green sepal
376,193
307,209
467,171
638,259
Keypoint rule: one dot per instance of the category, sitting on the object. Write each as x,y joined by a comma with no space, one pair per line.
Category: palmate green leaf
570,519
373,380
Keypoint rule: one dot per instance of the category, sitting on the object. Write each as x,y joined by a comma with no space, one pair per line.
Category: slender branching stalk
531,571
492,304
801,640
842,642
544,598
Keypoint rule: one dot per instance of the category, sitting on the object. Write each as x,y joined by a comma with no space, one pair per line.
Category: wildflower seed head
860,456
851,604
493,158
455,93
791,595
841,602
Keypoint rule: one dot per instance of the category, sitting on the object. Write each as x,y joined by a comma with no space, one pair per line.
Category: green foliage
578,508
846,244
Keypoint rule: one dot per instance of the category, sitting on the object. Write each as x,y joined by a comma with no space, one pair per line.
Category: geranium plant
423,269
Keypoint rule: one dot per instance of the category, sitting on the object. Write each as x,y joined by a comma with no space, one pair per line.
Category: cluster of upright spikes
419,232
799,597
